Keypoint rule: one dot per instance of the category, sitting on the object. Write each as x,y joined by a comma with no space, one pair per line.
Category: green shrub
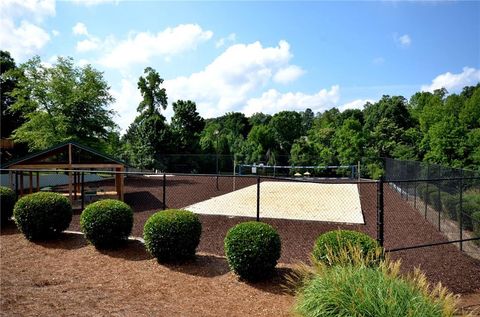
329,245
7,202
434,197
369,291
252,250
107,223
421,189
476,223
470,205
42,215
450,205
172,235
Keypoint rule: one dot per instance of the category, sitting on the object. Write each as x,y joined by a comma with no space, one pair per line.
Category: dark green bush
421,189
470,205
338,240
172,235
434,197
476,223
42,215
7,202
450,205
252,250
107,223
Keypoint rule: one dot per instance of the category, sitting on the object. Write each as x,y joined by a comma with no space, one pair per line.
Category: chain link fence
446,198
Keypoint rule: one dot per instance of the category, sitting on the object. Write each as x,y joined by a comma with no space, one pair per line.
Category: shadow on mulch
276,284
8,228
204,265
142,201
132,250
67,241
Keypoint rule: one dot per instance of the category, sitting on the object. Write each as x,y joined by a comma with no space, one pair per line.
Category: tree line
42,106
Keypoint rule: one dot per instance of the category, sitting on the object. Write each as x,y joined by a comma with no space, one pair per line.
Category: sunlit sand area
287,200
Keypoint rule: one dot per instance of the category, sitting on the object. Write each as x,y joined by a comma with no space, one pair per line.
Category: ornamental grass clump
107,223
333,246
172,235
7,202
252,250
42,215
359,289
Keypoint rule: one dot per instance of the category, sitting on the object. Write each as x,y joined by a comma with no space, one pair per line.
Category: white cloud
127,98
231,38
288,74
55,32
20,26
23,40
454,82
80,29
91,3
34,9
273,101
403,40
227,83
87,45
355,104
138,48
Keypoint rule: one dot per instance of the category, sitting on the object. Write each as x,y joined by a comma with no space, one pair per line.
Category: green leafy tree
349,141
149,136
11,119
62,103
186,126
286,126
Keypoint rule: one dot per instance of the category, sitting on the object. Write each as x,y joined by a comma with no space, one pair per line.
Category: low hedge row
7,202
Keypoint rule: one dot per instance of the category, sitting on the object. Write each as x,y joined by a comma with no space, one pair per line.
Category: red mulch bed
404,226
68,277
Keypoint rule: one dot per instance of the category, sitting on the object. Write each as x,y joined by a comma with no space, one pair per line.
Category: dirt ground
71,278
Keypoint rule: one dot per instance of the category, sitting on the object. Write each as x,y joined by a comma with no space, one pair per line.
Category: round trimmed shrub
107,223
339,240
366,291
252,250
42,215
172,235
7,202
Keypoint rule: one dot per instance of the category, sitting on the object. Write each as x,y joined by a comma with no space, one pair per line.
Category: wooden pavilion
71,157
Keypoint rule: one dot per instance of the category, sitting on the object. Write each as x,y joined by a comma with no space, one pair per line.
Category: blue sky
255,56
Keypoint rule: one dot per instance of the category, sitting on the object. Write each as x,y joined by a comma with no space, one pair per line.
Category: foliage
149,135
11,119
172,235
107,223
450,205
470,205
337,240
62,103
7,202
476,223
42,215
360,290
252,250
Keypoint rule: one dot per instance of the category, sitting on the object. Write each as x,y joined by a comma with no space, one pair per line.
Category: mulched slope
404,226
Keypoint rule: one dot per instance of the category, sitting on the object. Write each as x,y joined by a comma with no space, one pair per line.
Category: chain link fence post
380,212
164,191
258,197
460,220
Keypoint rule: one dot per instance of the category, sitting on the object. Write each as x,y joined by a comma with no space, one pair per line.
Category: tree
349,141
11,119
62,103
286,127
186,126
149,136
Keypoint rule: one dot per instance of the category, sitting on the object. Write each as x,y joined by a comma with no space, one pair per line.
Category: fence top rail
417,180
150,173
